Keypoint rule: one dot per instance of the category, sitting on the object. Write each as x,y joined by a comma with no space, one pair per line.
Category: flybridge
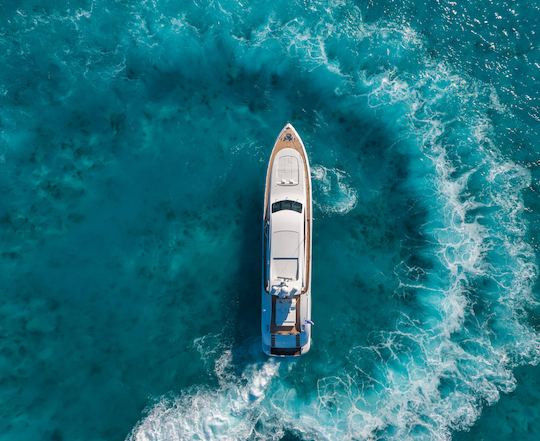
286,285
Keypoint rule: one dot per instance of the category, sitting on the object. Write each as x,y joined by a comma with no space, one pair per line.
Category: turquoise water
134,138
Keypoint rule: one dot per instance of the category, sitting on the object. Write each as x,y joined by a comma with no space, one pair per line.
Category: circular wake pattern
133,146
468,282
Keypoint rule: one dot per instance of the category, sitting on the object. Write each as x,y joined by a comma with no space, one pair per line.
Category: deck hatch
287,170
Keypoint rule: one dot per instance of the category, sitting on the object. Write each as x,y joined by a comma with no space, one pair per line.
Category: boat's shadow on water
246,311
245,320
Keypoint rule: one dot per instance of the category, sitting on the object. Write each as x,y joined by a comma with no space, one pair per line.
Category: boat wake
455,350
333,194
231,411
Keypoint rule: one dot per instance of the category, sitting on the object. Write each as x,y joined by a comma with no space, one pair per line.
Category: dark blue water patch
291,437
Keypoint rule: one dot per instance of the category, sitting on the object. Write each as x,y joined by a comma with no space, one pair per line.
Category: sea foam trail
456,349
442,362
226,413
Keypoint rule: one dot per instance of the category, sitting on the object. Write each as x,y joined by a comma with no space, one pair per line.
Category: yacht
286,280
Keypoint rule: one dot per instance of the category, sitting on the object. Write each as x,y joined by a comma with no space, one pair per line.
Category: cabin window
287,205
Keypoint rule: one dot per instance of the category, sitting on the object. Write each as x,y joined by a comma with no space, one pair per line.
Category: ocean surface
134,139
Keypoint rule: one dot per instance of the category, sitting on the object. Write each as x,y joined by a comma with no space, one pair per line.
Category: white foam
439,365
227,413
333,192
408,395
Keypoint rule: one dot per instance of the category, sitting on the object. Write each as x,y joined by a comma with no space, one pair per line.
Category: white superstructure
286,285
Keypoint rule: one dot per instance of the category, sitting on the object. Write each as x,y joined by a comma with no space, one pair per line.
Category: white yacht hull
287,236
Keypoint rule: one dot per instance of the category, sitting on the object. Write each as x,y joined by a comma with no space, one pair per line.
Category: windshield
287,205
